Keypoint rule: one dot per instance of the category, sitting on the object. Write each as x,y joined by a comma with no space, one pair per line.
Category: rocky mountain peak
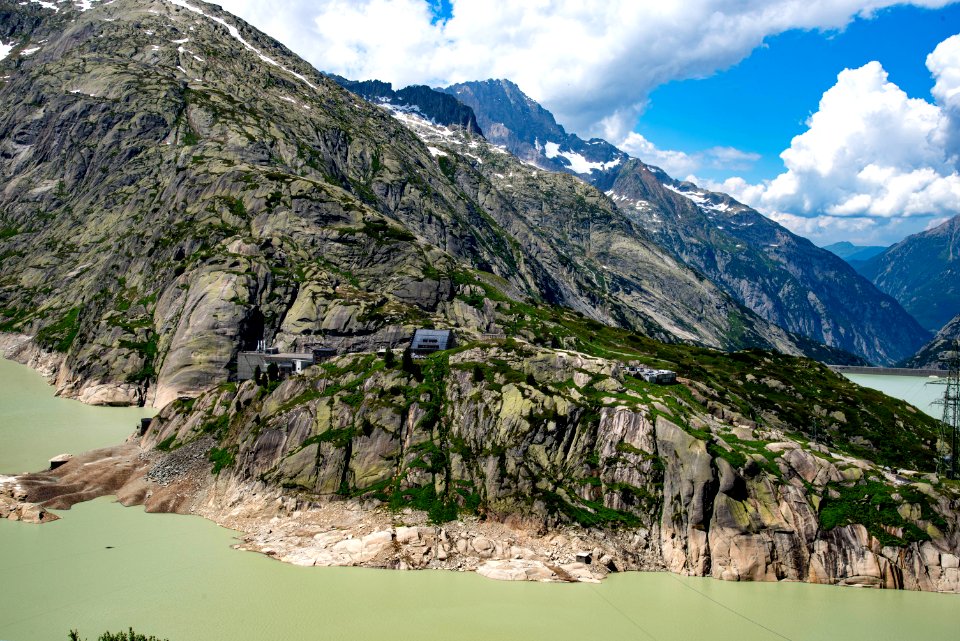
434,105
777,274
513,119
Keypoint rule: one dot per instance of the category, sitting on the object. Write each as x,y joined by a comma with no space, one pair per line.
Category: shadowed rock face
784,278
780,276
174,190
923,273
433,105
929,355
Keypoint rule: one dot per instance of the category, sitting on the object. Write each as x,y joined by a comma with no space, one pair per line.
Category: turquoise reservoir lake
920,391
105,566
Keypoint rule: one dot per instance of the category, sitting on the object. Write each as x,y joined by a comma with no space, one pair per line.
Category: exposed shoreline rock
355,533
327,533
55,368
20,348
731,523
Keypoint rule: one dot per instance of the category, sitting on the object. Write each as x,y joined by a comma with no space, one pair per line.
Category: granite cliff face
780,276
929,355
177,186
653,476
525,462
923,273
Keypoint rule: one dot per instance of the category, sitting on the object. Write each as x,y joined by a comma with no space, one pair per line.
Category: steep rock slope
928,357
722,475
923,273
178,186
781,276
777,274
433,105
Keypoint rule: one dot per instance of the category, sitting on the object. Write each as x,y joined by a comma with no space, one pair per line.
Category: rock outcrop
526,463
930,356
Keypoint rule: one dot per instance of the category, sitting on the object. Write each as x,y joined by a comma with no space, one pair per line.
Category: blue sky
760,104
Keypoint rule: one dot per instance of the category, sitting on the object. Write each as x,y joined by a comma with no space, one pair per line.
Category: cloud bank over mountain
873,161
592,64
873,164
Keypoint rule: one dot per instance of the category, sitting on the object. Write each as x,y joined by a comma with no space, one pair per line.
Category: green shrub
166,444
221,458
59,336
872,505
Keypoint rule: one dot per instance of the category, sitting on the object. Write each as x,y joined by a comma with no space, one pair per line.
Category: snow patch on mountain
46,5
235,34
576,161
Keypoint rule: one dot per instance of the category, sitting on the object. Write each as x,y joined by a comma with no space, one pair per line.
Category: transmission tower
950,425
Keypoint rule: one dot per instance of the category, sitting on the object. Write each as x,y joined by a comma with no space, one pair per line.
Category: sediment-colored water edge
36,425
916,390
106,566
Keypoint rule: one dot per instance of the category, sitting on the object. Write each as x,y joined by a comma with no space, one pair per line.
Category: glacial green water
35,425
916,390
105,566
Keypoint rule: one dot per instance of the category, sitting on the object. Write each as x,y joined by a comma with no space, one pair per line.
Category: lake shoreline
53,366
350,533
308,531
330,533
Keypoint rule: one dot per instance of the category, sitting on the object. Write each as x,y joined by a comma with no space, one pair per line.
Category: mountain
530,132
179,187
923,273
433,105
928,357
782,277
854,254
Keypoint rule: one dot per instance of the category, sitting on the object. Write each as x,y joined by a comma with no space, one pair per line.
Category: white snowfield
235,34
577,162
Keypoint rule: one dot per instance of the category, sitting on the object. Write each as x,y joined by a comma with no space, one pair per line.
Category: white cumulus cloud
944,64
871,158
679,163
592,64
